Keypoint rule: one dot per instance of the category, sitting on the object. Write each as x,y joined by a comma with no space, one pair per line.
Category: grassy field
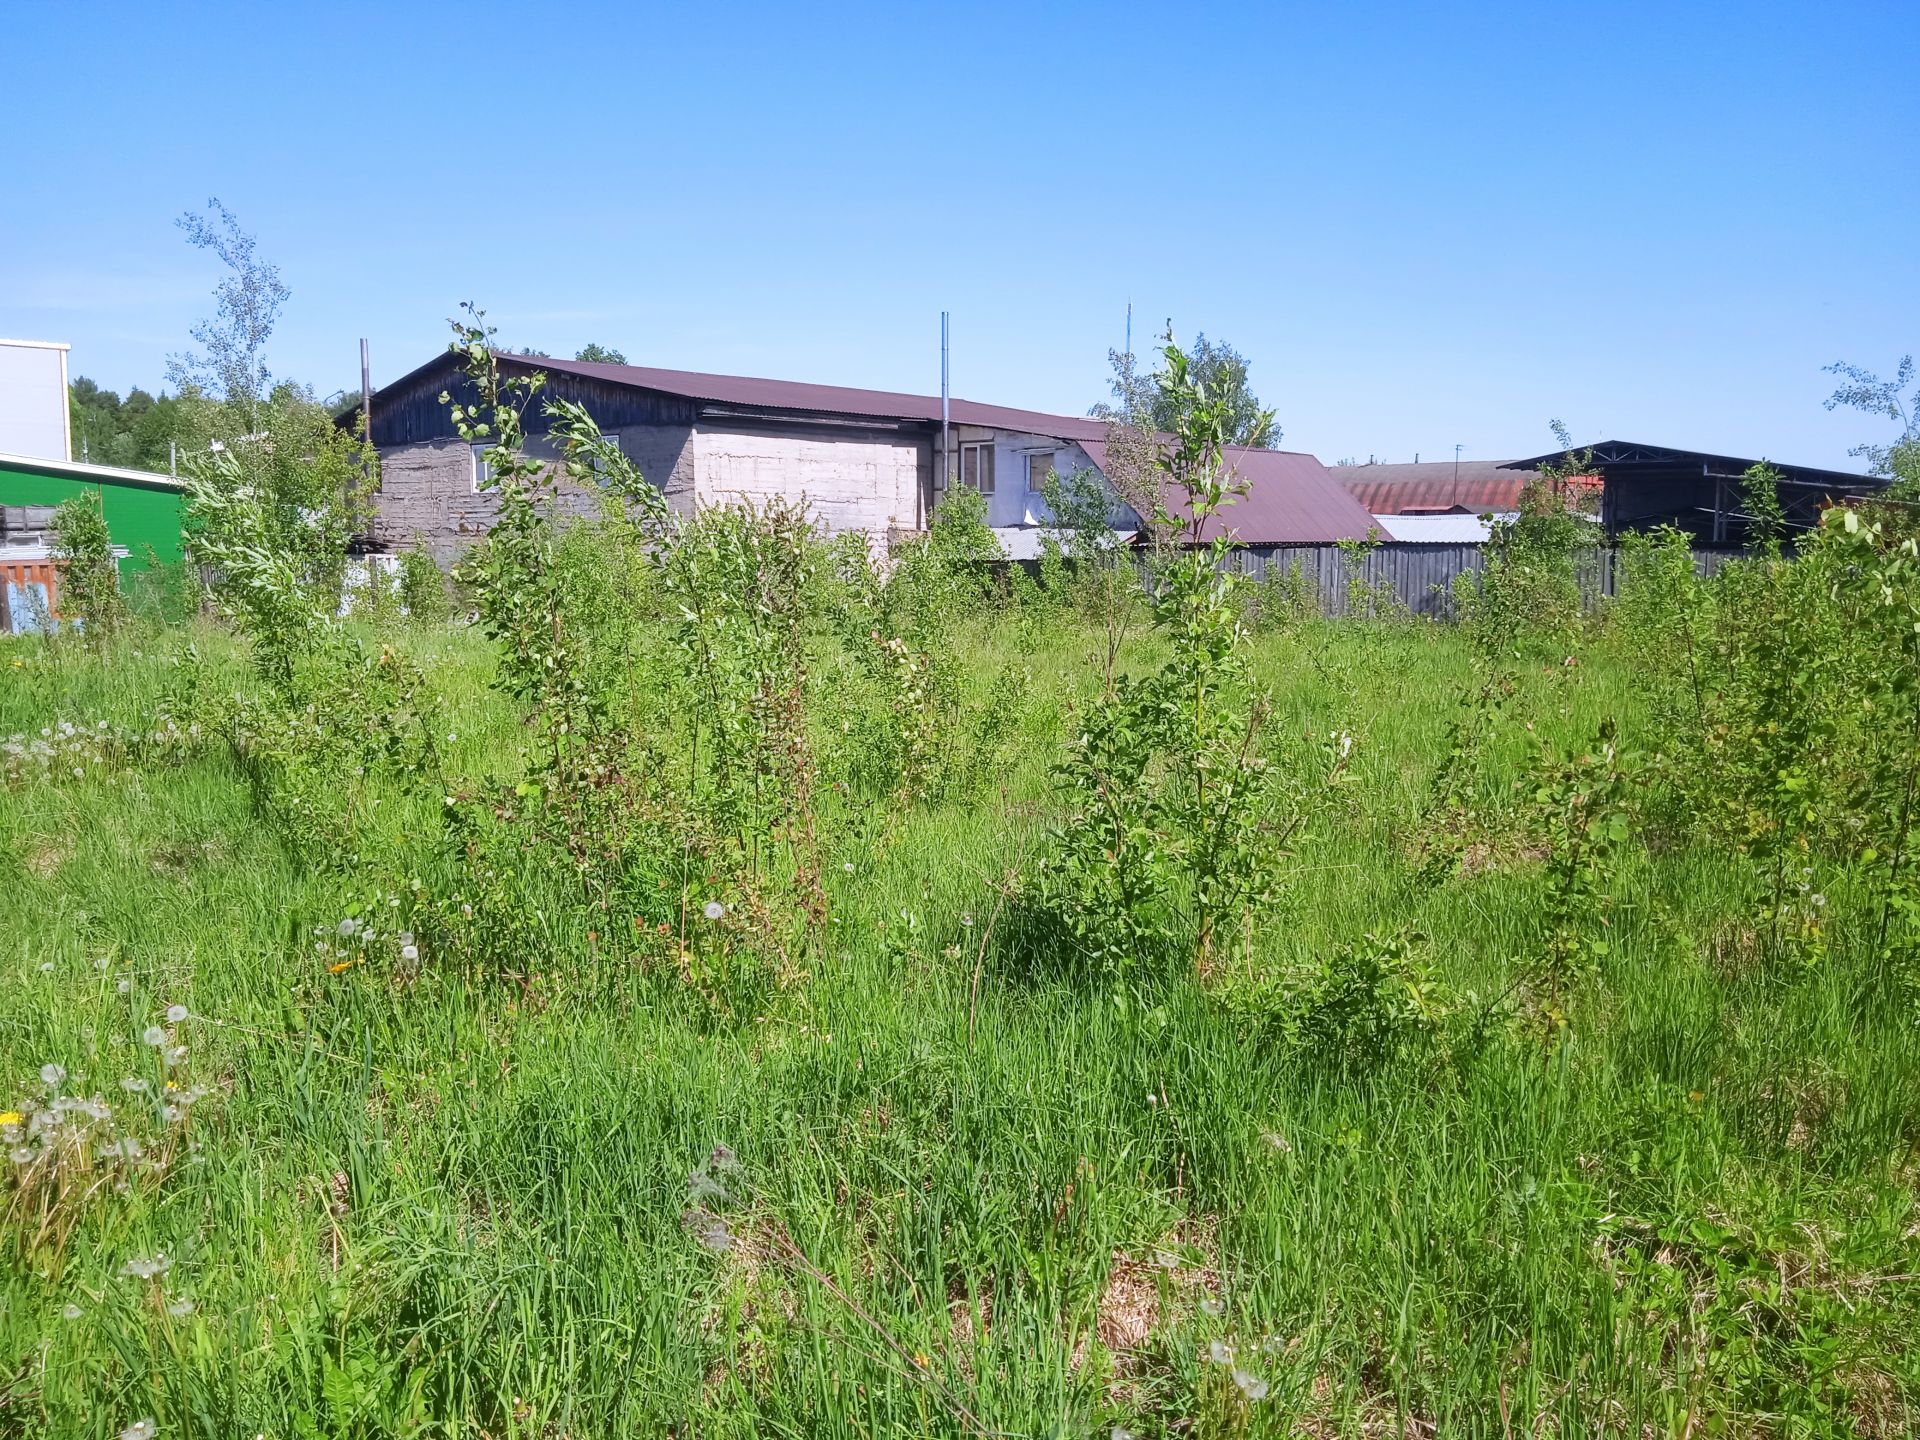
959,1191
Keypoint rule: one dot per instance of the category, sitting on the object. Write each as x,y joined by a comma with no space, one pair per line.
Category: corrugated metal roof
1291,499
756,393
1433,529
1615,454
1022,542
79,470
1481,485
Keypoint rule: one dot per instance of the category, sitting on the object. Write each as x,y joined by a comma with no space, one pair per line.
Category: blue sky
1423,224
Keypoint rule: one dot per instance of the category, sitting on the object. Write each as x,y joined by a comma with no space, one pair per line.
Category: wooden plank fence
1418,578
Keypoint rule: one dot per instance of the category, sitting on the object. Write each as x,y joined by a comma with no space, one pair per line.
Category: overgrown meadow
690,978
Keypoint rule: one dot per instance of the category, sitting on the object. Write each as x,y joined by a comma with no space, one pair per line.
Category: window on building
481,474
976,466
612,437
1039,471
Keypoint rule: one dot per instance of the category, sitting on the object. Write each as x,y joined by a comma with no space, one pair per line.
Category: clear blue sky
1424,224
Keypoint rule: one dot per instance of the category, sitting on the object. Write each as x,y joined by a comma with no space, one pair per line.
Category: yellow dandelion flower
343,965
11,1117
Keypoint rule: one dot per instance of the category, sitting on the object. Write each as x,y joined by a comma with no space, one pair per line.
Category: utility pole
946,431
1456,476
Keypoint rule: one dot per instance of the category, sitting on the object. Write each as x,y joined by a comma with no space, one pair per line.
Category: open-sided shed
1644,486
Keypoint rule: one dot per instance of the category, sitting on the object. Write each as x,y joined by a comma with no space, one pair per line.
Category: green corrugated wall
139,516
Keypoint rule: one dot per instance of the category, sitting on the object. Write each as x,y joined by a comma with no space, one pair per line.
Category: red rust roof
1482,486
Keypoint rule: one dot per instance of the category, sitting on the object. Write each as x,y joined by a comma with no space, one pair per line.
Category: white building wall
33,400
849,483
1011,503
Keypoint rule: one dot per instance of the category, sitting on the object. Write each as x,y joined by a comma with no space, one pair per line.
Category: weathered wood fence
1416,577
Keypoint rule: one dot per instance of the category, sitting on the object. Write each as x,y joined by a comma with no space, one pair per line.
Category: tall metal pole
946,447
366,392
1456,476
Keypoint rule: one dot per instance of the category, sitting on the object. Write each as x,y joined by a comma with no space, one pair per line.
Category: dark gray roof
1616,455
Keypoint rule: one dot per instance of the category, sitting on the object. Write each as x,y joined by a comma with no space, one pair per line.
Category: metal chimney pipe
946,443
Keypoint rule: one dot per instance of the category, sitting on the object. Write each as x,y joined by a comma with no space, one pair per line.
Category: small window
480,472
1039,471
976,467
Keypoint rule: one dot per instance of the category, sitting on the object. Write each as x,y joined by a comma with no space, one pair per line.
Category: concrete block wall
869,483
427,494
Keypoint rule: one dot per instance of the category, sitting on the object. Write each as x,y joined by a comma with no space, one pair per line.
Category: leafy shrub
1169,837
422,587
1530,585
89,574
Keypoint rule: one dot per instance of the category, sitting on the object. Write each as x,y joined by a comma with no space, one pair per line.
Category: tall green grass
1022,1205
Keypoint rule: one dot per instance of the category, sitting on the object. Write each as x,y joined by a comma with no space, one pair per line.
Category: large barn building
865,460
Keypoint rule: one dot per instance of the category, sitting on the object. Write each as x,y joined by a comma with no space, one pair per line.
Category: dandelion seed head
1219,1352
71,1311
1213,1307
133,1084
139,1430
182,1306
153,1035
713,909
176,1013
51,1075
1251,1386
410,953
124,986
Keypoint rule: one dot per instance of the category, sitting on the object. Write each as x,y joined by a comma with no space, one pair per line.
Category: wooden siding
409,411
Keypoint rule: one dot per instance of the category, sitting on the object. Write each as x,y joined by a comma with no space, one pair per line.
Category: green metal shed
142,511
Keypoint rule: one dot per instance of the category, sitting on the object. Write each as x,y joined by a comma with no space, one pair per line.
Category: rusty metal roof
1431,487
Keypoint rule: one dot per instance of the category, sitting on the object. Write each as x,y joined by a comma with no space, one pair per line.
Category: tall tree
1216,369
601,354
232,365
1866,391
269,466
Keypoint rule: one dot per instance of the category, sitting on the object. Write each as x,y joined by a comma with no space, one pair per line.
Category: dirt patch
1146,1292
43,856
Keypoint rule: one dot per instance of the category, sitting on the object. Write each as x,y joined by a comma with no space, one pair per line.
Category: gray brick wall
427,495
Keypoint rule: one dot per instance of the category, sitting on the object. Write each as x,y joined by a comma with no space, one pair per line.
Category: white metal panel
33,400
